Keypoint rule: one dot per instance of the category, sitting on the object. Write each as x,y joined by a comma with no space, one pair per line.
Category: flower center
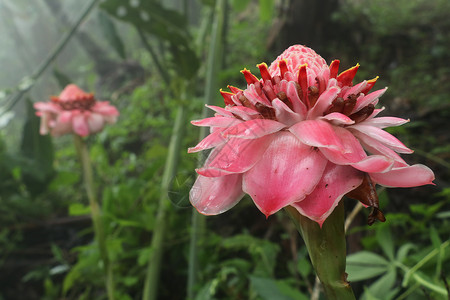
84,102
269,88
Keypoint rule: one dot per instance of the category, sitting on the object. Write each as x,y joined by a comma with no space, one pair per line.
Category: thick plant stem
215,56
99,231
327,251
154,264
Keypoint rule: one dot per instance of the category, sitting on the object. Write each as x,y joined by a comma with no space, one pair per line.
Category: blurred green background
149,58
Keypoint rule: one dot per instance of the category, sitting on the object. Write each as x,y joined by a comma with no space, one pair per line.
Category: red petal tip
234,89
303,82
283,67
346,77
263,69
227,97
369,86
249,77
334,68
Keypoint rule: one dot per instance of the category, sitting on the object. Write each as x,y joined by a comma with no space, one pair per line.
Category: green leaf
434,236
404,250
267,288
382,287
166,24
111,35
78,209
206,292
38,154
364,265
443,214
304,266
385,241
288,290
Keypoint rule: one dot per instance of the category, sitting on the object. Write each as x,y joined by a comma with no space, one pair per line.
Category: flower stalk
215,55
327,250
99,230
154,264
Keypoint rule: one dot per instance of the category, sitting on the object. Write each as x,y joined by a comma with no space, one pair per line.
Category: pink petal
383,122
218,121
286,173
60,128
298,105
317,133
284,114
95,122
243,112
220,110
355,89
104,108
80,125
376,147
323,102
368,99
253,129
338,119
352,151
374,163
215,195
382,136
65,116
214,139
334,184
47,106
409,176
252,95
44,128
235,156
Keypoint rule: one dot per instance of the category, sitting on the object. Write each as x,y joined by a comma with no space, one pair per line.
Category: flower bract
302,135
74,111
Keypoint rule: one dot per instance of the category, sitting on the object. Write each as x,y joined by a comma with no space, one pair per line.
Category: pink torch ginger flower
74,111
304,136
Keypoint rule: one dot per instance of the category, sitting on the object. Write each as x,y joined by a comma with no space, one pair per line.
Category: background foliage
149,58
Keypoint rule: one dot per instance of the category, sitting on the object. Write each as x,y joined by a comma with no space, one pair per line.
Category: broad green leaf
366,257
304,266
38,154
267,289
364,265
206,292
166,24
289,291
382,287
385,241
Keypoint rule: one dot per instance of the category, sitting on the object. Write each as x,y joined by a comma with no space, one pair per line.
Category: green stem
327,250
154,264
215,55
99,231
